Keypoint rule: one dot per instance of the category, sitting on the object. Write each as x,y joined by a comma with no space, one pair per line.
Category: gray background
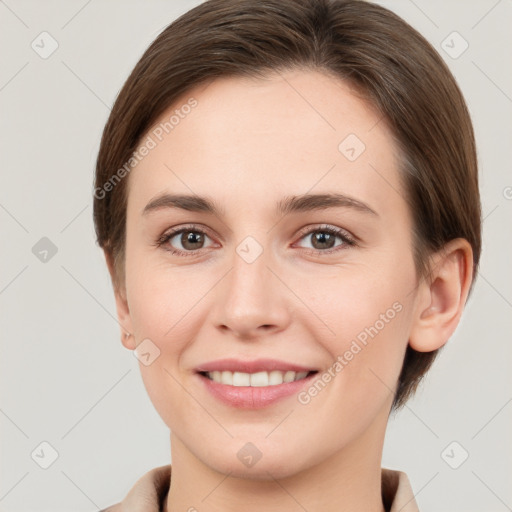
65,377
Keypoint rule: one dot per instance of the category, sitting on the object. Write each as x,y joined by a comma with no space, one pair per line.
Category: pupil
191,238
323,238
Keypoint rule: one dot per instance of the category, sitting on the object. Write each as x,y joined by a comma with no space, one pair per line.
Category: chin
261,471
258,460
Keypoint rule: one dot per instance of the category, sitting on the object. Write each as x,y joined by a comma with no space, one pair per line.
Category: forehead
293,131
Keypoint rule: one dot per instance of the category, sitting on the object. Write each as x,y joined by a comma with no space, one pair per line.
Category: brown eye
323,239
192,240
183,241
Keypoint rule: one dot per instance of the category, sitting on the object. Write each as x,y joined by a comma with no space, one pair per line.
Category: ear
442,297
123,311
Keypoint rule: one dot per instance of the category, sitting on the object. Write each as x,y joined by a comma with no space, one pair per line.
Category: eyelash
345,237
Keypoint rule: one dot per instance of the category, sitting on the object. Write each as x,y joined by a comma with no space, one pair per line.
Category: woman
287,197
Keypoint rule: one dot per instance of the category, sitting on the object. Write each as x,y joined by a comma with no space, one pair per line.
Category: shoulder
397,493
147,494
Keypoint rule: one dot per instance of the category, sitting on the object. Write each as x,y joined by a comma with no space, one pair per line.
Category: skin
246,145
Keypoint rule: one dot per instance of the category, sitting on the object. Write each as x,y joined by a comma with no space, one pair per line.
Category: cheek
361,302
162,297
368,313
161,301
370,325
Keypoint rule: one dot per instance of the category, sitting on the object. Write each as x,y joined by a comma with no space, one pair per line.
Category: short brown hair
366,45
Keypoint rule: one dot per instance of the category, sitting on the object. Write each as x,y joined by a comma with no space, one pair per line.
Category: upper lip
254,366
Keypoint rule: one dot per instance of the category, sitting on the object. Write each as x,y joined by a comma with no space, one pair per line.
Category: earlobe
442,297
123,311
128,340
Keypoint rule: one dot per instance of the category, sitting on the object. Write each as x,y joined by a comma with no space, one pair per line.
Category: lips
258,365
253,384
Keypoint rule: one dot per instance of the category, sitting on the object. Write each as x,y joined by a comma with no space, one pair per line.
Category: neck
348,480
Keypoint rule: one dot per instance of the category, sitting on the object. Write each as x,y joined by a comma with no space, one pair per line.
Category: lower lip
248,397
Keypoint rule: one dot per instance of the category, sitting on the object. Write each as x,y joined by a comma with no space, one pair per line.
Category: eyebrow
290,204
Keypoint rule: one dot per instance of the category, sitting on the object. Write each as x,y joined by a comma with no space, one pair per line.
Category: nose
252,301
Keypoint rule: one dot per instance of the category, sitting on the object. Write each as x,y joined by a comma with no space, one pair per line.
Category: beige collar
150,491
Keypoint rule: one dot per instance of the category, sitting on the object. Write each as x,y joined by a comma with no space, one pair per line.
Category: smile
258,379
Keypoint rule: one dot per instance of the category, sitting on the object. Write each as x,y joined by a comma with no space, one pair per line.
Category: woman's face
260,280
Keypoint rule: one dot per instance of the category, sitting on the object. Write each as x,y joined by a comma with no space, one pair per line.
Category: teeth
289,376
225,378
241,379
259,379
275,377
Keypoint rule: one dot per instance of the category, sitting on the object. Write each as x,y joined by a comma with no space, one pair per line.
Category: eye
323,239
189,239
